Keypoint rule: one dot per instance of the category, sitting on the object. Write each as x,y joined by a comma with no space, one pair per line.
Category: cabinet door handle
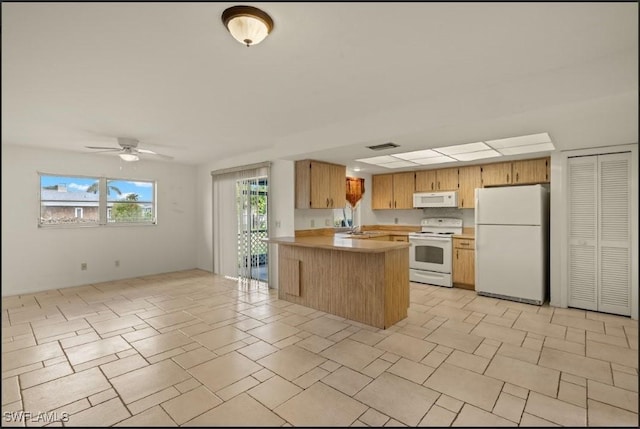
507,178
438,185
457,254
395,204
327,202
432,186
331,202
389,204
517,178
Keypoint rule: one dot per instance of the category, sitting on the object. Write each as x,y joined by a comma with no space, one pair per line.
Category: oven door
430,254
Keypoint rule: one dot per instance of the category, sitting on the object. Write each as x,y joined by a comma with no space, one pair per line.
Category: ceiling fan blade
150,152
102,147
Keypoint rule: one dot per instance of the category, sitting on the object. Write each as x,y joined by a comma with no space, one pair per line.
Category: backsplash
413,217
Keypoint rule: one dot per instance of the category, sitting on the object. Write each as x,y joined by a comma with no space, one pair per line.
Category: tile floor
190,348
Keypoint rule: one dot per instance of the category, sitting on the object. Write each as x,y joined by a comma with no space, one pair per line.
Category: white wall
36,259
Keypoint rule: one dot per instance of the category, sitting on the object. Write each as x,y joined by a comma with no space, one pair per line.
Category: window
78,200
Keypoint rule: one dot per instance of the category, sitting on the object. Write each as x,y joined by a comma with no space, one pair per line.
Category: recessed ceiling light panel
435,160
520,141
471,156
418,154
398,164
377,160
541,147
462,148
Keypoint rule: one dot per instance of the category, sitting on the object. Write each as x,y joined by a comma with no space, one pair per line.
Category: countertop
465,235
339,243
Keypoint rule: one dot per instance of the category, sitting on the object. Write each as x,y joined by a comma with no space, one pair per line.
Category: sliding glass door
251,208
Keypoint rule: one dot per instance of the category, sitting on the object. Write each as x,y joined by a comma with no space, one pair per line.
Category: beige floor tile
116,324
96,349
625,381
239,411
608,339
105,414
577,365
486,306
347,380
567,346
410,370
169,319
161,343
449,312
275,391
258,350
529,420
274,332
539,325
224,371
472,416
449,403
499,333
524,374
10,390
454,339
510,407
191,404
465,385
315,344
404,345
148,380
155,416
30,355
398,398
194,357
309,408
323,326
101,397
220,337
434,359
573,393
352,354
54,329
373,418
604,415
152,400
438,416
468,361
17,344
574,379
621,355
611,395
557,411
578,322
375,368
519,353
219,315
309,378
45,374
79,340
124,365
62,391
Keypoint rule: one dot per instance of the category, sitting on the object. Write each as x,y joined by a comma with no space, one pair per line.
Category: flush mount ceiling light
128,155
248,25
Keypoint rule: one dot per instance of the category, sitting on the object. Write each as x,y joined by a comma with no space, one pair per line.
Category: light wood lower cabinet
368,287
464,272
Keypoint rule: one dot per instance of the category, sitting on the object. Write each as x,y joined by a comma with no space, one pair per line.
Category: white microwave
435,199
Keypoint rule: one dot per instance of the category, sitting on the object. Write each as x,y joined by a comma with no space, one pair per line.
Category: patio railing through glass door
253,252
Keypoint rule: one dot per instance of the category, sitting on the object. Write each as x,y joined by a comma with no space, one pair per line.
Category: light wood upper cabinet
320,185
393,191
426,181
496,174
447,179
463,270
403,189
469,179
531,171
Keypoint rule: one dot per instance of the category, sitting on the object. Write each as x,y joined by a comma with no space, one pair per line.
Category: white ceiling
331,79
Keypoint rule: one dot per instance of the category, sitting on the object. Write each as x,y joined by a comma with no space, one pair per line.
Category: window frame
103,202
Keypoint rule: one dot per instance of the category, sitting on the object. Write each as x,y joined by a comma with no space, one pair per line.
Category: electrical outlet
327,222
117,263
83,266
313,223
395,220
278,224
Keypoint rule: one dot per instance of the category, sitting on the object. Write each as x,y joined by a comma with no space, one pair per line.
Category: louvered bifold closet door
614,241
583,223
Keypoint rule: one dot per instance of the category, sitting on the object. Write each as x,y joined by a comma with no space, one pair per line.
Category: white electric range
431,251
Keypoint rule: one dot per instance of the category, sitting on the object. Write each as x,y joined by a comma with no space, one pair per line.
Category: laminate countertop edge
342,244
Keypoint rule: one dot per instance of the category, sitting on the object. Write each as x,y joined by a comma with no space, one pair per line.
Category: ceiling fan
128,150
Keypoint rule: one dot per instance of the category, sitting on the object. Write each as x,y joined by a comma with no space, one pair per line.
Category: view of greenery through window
68,200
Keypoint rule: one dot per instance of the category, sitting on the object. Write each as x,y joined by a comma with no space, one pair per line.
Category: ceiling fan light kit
247,24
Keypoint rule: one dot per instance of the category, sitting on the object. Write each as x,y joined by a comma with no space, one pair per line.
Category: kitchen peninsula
362,280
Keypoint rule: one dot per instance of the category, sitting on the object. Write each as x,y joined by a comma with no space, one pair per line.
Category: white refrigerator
512,243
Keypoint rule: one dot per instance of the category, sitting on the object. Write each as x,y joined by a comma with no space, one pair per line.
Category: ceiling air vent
383,146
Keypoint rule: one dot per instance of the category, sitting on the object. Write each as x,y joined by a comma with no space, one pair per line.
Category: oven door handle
421,240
